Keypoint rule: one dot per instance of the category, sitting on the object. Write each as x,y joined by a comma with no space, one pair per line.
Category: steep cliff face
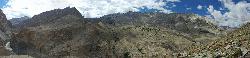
4,23
5,27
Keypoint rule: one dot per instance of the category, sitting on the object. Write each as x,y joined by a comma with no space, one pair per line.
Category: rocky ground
233,45
65,33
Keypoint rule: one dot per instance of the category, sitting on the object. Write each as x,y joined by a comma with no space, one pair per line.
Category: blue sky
181,7
2,3
222,12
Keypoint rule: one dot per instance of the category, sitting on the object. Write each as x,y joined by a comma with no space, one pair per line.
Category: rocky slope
64,32
5,27
233,45
41,34
16,21
49,17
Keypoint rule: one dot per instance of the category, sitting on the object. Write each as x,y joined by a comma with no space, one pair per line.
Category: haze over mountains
66,33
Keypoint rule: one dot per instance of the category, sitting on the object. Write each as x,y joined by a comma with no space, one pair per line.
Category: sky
231,13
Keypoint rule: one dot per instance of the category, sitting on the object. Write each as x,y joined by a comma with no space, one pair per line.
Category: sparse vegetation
65,33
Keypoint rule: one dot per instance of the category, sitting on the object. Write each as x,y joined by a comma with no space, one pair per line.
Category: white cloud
238,13
173,0
88,8
199,7
188,8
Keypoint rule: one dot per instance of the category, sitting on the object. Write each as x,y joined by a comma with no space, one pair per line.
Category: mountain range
66,33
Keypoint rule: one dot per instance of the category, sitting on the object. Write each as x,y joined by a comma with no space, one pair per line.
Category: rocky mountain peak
57,13
50,16
4,23
16,21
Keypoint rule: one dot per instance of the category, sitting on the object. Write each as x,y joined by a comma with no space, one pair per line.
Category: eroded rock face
4,33
4,23
49,17
51,36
